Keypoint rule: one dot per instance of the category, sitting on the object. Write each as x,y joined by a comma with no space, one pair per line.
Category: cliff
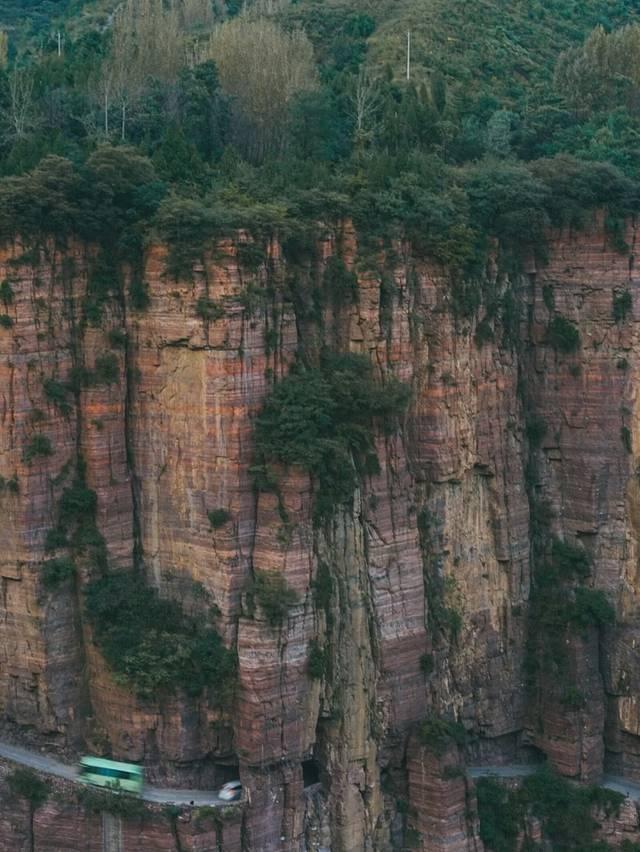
68,823
418,593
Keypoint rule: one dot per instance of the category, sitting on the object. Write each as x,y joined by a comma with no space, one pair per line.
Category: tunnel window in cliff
310,772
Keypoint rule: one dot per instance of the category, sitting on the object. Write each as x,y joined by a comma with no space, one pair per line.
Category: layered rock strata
429,572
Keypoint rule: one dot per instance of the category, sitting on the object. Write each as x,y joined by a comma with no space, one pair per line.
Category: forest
191,117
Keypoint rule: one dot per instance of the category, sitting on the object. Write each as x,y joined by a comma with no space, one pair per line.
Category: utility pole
409,55
59,43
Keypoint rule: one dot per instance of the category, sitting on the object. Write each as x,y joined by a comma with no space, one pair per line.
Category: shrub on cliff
151,643
323,419
563,335
438,734
139,293
186,225
56,392
55,572
592,609
208,310
6,292
622,305
11,485
218,518
190,226
338,282
39,446
113,802
274,595
567,812
26,784
106,371
77,504
318,660
76,525
569,560
501,815
536,430
561,606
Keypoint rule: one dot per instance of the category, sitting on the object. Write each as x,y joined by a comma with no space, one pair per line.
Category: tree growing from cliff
568,814
152,644
274,595
323,419
26,785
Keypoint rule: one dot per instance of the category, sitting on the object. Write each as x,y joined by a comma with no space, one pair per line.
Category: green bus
110,773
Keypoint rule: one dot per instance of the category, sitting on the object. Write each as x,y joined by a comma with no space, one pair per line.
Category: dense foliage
561,604
516,117
98,801
152,643
323,419
56,571
568,813
27,785
274,595
439,734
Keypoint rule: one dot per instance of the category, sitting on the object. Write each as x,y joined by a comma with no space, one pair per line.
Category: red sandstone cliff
451,504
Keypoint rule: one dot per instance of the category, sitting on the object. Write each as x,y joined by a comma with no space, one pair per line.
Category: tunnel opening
310,772
227,772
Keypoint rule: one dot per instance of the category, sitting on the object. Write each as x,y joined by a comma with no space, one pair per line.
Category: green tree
177,160
204,110
25,784
263,68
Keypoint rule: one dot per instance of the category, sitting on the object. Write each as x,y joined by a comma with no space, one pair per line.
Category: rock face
418,592
442,800
66,824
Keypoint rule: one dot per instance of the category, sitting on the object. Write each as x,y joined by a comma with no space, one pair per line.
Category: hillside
318,421
33,18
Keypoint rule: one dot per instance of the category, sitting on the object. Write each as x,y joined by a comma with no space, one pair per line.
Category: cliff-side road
159,795
165,795
611,782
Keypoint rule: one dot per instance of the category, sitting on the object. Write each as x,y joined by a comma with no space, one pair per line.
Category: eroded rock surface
429,573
